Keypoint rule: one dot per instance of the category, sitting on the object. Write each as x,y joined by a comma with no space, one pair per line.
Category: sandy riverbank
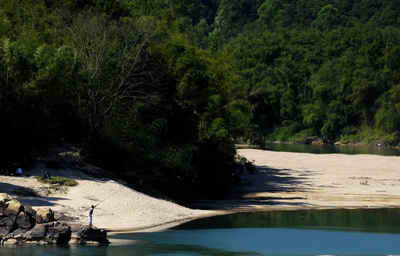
120,208
283,181
299,180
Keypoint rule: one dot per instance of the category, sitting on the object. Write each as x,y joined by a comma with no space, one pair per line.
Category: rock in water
26,219
50,233
92,234
36,233
6,225
21,224
58,233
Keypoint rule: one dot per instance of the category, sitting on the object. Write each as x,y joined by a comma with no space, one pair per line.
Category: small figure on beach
45,174
91,216
19,172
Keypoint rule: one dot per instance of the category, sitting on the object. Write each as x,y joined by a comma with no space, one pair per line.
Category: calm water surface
293,233
332,149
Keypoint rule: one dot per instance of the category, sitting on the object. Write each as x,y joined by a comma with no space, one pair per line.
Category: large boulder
14,215
10,207
6,225
57,233
25,220
44,215
37,233
49,233
4,198
92,234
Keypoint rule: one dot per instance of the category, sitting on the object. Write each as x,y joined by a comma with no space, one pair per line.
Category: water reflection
363,220
372,232
332,149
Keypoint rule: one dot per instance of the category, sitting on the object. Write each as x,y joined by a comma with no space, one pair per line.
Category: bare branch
120,72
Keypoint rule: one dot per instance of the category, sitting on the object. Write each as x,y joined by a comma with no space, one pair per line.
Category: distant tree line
322,69
315,68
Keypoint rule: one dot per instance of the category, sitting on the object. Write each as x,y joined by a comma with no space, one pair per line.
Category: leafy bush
368,135
57,180
303,135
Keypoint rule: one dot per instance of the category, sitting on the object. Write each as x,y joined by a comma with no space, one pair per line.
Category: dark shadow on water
361,220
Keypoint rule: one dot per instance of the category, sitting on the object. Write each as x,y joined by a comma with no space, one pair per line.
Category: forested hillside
322,68
158,91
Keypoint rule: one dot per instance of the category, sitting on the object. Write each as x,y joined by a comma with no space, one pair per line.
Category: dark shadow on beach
248,192
42,196
27,195
40,201
272,180
73,173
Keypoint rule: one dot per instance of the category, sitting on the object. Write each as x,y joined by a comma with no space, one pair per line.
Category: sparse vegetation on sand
57,180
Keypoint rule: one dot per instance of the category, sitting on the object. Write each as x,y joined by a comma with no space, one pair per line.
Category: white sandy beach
118,207
284,181
324,181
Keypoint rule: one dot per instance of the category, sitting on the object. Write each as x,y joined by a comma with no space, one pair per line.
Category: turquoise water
293,233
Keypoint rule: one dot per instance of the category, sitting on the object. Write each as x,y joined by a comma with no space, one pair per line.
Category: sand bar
300,180
283,181
119,208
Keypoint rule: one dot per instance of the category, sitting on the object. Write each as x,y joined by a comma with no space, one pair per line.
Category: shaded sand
299,180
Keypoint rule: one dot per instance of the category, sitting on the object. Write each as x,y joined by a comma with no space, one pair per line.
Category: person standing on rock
91,216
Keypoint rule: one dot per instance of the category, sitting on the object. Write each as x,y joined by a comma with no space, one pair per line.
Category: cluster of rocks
20,225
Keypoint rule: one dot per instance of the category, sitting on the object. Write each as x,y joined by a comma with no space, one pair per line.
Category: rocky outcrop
14,216
89,234
49,233
44,215
20,224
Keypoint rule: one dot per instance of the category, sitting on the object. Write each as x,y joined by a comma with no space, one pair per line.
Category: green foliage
303,135
270,13
388,118
284,133
59,181
368,135
327,18
301,78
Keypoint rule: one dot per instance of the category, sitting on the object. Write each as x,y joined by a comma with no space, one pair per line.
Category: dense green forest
158,91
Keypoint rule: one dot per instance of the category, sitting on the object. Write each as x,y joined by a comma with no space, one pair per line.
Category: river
368,232
333,149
